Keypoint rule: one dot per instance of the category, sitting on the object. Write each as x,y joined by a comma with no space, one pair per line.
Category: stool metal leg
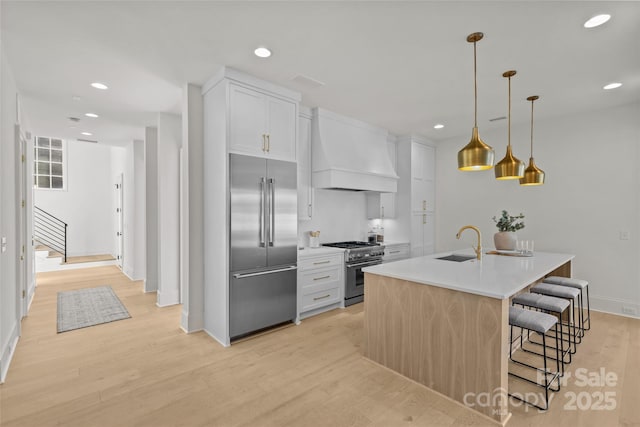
548,383
588,309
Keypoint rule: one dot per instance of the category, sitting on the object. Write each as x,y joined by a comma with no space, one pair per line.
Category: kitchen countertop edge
488,278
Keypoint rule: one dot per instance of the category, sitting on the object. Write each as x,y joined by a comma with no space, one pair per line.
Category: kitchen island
444,324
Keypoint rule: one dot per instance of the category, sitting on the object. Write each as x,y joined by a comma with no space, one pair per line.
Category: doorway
120,221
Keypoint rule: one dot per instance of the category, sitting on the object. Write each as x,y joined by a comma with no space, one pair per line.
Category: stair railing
50,231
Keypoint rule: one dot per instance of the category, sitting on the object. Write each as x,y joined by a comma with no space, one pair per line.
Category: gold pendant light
510,167
476,155
532,175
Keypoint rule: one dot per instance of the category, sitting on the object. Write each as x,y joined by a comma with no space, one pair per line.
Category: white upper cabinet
305,191
422,178
261,125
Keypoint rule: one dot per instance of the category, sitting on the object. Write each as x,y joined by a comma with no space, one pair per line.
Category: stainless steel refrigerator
264,237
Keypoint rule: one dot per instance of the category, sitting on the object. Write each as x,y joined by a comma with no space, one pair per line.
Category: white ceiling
401,65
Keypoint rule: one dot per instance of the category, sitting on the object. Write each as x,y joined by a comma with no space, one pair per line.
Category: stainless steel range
357,256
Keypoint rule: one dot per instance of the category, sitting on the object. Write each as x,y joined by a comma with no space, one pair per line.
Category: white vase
505,240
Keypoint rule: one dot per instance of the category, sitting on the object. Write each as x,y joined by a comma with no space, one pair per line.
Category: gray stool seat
555,290
532,320
581,284
567,281
542,302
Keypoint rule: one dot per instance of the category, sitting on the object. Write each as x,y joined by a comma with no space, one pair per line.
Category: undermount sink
457,258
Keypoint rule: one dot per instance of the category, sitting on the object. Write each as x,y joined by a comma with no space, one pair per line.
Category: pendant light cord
509,124
532,128
475,88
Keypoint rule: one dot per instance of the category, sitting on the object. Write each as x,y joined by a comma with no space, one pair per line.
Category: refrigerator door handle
262,273
272,210
262,213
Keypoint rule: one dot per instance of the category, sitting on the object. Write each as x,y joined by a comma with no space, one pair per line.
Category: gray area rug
88,307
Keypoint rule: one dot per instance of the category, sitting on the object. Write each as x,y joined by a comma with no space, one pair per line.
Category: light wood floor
145,371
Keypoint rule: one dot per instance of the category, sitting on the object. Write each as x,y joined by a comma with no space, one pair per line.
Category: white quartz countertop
322,250
496,276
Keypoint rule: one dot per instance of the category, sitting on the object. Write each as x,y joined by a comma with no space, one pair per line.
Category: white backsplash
338,215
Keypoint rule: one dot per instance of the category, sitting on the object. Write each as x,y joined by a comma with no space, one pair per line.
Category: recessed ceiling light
99,85
597,20
92,115
262,52
612,86
86,133
438,126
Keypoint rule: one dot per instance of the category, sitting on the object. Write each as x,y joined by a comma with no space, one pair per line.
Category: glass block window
48,163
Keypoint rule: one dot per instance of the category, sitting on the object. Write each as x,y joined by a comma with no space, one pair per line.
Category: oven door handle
365,264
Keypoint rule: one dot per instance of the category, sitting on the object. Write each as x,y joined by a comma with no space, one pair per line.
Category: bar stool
540,323
581,284
568,293
551,305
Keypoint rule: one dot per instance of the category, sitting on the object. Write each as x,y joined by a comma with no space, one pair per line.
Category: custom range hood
348,154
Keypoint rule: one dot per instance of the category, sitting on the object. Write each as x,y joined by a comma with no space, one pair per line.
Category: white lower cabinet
396,252
320,283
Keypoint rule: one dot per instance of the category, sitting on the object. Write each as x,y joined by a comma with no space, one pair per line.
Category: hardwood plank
146,372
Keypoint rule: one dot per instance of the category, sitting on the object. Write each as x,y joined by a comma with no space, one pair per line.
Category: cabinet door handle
424,218
394,252
424,205
321,278
268,142
322,297
382,212
309,210
264,143
322,262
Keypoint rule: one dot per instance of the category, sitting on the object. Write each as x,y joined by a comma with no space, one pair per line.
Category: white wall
151,218
87,203
169,143
9,288
192,213
338,215
590,196
137,269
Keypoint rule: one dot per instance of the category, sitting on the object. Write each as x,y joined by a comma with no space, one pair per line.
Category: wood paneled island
444,324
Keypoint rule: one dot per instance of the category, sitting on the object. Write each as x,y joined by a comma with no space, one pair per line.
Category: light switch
4,240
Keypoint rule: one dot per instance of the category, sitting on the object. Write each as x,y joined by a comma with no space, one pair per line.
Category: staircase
50,231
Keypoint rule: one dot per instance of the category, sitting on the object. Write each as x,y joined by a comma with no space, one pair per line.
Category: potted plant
505,238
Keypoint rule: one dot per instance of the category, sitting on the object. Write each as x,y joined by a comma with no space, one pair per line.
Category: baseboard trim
31,293
615,306
190,324
222,343
8,352
131,276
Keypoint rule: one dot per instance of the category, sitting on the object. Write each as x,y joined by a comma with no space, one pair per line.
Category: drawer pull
322,262
321,278
322,297
394,252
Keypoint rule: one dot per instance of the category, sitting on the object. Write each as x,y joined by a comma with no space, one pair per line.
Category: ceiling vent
307,82
93,141
74,119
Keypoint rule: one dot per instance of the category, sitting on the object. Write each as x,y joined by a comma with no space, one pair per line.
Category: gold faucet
477,250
